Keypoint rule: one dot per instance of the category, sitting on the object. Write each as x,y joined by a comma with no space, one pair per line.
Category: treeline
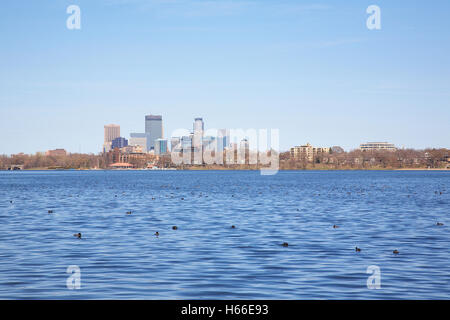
39,161
357,159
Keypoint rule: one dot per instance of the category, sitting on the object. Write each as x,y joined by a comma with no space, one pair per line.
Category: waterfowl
233,227
78,235
157,233
357,249
50,211
335,226
128,212
285,244
10,201
182,198
174,228
395,251
439,224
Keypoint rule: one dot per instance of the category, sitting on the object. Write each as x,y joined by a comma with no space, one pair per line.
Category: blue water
120,257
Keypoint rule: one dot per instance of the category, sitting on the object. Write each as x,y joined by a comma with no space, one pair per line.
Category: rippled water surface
120,257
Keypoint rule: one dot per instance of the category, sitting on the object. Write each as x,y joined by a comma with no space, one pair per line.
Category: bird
157,233
174,228
128,212
182,198
233,227
285,244
335,226
10,201
439,224
78,235
50,211
395,251
357,249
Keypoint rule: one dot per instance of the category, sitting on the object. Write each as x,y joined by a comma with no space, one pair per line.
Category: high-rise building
119,143
186,143
209,143
112,131
160,146
223,139
154,129
198,133
139,139
175,144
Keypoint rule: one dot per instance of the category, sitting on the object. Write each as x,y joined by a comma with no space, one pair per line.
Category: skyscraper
154,130
197,140
139,139
223,139
175,144
198,129
112,131
198,124
198,133
160,146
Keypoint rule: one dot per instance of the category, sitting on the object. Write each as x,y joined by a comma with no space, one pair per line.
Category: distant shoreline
240,169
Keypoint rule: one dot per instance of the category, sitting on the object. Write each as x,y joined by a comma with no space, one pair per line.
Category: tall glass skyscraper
198,133
153,129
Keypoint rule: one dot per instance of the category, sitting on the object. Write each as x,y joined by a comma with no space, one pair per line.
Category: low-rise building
377,146
56,153
308,152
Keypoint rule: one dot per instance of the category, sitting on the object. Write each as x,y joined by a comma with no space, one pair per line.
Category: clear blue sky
310,68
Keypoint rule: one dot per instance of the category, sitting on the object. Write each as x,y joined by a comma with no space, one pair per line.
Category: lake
120,257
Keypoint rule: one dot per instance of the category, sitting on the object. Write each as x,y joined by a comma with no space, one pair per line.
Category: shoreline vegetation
403,159
236,169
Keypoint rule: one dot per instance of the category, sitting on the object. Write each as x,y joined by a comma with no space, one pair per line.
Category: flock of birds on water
284,244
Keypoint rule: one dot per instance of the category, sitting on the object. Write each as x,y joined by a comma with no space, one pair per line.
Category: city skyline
314,71
113,138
